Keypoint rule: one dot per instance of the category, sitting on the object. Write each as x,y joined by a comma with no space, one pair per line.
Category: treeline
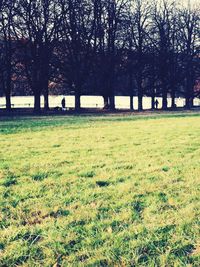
106,47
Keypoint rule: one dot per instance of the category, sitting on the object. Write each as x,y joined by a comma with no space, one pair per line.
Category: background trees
190,50
138,44
108,47
8,46
75,45
37,25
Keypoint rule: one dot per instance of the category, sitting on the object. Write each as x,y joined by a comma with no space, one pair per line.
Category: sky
193,2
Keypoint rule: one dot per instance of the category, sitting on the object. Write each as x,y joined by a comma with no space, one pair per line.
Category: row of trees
106,47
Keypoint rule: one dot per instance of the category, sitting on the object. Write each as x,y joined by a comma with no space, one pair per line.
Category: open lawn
100,191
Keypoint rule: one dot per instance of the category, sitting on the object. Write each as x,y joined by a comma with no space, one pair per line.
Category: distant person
156,104
63,103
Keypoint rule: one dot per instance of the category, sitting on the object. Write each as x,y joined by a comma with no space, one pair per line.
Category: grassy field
100,191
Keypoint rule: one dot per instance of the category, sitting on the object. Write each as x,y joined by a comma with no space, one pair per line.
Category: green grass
100,191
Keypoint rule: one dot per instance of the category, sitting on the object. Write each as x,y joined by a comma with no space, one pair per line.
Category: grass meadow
100,191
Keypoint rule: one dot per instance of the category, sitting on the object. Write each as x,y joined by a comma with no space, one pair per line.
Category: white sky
193,2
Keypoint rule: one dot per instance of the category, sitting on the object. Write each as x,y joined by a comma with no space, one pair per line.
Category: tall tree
76,34
37,24
110,42
7,48
140,17
162,23
189,42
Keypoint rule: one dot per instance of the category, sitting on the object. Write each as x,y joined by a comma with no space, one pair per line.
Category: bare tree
162,23
174,74
110,41
76,34
37,24
140,22
7,48
189,48
90,46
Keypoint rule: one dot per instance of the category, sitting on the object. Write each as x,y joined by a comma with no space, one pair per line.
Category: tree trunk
45,78
140,102
77,101
189,93
46,96
153,102
112,102
173,92
8,100
189,102
131,90
8,87
164,107
164,95
106,102
37,102
131,102
192,102
140,93
173,100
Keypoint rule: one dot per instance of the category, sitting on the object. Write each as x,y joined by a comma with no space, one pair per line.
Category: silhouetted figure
156,104
63,103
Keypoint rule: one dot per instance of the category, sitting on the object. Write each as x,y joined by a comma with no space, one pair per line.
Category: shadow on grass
12,125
